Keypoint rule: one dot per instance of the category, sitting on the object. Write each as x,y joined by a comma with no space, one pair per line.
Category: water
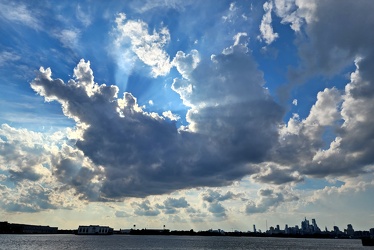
42,242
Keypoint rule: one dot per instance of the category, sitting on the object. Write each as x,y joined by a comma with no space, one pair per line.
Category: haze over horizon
190,114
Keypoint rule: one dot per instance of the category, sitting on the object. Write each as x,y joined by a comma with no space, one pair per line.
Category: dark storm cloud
233,123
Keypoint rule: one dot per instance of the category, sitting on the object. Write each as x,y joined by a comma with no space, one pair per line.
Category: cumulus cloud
326,47
130,152
274,174
23,155
168,114
32,180
214,200
344,116
349,153
172,205
144,209
267,32
214,196
147,47
269,199
28,198
185,64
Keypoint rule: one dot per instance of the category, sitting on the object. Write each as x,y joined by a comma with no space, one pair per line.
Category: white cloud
33,175
150,5
294,102
8,56
147,47
185,64
83,16
267,32
295,12
19,13
168,114
69,38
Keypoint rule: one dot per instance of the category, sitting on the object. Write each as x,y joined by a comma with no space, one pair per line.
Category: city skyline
305,229
191,114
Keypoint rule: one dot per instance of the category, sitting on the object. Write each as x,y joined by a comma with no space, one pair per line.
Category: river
60,241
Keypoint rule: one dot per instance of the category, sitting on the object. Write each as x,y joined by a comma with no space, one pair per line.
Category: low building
94,230
14,228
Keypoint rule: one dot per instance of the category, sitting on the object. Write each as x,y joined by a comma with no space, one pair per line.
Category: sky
188,114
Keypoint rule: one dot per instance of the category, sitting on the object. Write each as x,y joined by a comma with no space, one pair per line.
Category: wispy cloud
19,13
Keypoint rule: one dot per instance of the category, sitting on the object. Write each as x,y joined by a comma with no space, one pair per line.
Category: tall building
350,231
305,226
315,227
337,231
254,229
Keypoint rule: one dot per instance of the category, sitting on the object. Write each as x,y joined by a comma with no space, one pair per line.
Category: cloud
295,12
301,139
150,5
349,153
168,114
234,128
342,115
147,47
41,172
29,198
122,214
19,13
214,196
267,32
130,152
176,203
273,174
8,56
269,199
185,64
172,205
326,47
144,209
82,16
217,210
214,200
23,155
69,38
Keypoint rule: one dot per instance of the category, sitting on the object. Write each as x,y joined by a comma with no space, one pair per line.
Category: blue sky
193,114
